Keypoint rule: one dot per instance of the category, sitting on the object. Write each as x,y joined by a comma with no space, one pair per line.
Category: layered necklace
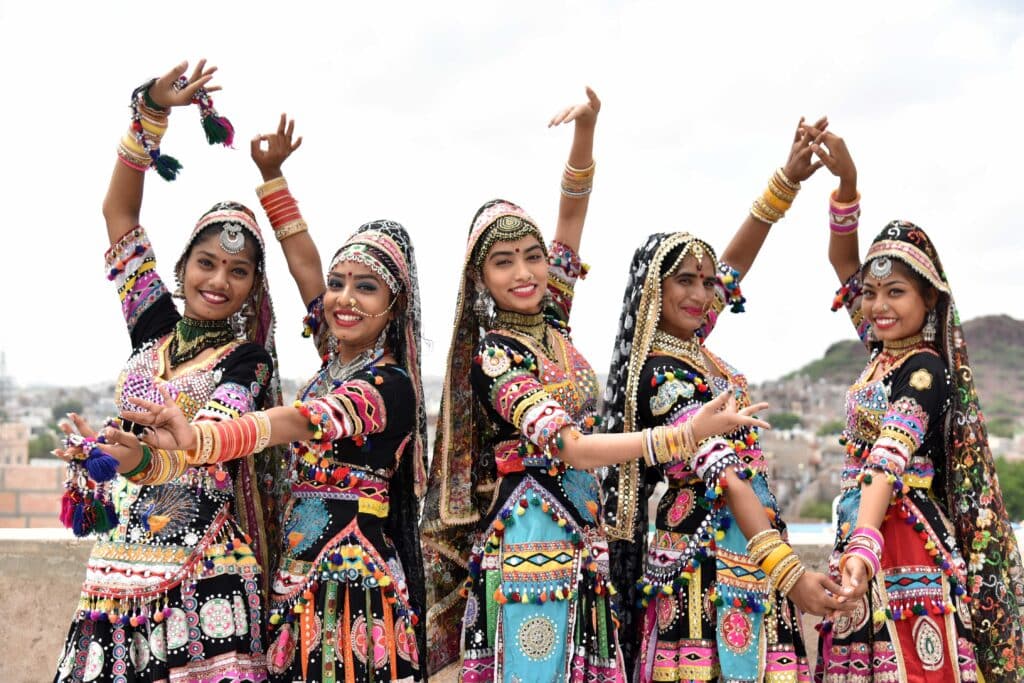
893,352
532,325
686,349
191,337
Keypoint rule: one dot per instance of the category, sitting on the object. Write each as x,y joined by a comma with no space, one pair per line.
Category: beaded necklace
533,325
191,337
687,349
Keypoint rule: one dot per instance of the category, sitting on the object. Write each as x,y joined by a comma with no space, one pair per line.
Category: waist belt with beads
368,490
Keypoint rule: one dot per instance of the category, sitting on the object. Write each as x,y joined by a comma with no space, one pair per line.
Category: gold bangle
785,181
761,536
290,229
262,429
794,577
271,186
780,552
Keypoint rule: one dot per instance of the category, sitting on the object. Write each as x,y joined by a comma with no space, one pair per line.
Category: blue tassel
101,467
78,522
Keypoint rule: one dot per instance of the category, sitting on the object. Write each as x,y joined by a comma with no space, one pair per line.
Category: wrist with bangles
867,544
777,559
844,217
774,202
140,146
281,208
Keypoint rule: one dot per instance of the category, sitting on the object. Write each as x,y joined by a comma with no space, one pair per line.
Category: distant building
14,443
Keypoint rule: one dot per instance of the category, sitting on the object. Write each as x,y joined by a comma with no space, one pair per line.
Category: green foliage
784,420
842,362
1011,481
1001,426
817,509
40,446
831,428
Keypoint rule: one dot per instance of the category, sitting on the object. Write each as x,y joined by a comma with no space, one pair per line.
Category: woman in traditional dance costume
172,588
516,559
348,594
707,596
924,549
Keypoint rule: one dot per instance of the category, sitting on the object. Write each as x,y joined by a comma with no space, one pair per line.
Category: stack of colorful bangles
867,544
577,182
281,208
662,445
777,559
217,441
773,204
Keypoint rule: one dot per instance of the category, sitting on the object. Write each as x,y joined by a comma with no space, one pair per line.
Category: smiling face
516,274
686,296
356,307
896,304
216,283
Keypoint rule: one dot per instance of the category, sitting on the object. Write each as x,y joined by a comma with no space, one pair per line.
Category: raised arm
776,200
283,211
843,249
140,146
579,170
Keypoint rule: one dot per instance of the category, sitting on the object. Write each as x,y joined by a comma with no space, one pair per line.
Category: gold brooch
921,380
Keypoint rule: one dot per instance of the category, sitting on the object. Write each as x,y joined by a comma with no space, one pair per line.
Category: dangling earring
931,323
872,337
484,305
179,291
239,319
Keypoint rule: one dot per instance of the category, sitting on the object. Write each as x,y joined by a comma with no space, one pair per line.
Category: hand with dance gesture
122,446
165,91
279,146
832,151
584,114
815,593
801,165
722,416
166,426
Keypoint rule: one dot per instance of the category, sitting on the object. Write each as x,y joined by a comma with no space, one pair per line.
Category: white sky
420,112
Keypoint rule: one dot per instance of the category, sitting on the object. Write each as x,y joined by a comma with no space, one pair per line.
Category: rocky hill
996,345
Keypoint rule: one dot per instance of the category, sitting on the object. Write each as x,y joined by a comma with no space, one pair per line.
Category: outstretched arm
123,203
579,171
747,242
299,249
843,249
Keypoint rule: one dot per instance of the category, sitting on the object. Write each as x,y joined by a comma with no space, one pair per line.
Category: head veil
625,486
461,481
260,480
386,248
994,574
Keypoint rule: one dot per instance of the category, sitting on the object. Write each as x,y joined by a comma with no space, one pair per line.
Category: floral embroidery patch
921,380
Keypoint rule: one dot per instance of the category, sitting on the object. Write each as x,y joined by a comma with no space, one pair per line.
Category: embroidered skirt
903,628
538,605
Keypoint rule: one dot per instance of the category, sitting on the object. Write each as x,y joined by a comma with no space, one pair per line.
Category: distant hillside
996,345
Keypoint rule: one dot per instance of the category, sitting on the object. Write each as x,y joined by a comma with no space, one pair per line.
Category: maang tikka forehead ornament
881,267
233,224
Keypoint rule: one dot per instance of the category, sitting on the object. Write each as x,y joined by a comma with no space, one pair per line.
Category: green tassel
167,166
216,130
